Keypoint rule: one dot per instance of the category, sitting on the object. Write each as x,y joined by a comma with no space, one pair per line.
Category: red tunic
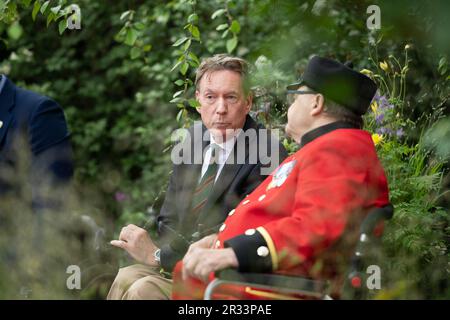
294,222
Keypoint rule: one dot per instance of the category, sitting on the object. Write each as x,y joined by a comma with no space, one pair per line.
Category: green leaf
176,100
442,68
187,45
62,26
125,15
51,16
176,94
222,26
193,64
135,53
26,2
36,7
194,58
61,13
195,32
55,10
179,42
131,37
15,31
194,103
179,115
235,27
179,82
147,48
225,33
231,44
193,18
176,65
123,31
218,13
139,26
67,10
184,67
44,7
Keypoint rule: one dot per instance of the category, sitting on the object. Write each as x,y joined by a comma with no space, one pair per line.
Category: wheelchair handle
374,217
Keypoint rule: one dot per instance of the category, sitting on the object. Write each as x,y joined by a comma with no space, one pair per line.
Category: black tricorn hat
339,83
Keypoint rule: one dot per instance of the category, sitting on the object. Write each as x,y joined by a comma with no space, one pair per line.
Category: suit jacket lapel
7,101
229,170
190,176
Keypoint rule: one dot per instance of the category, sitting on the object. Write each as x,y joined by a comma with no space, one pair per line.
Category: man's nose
222,107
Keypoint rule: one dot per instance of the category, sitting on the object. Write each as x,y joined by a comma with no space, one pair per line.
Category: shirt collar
2,82
227,145
320,131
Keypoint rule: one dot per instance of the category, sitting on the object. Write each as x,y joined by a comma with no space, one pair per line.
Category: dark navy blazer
34,127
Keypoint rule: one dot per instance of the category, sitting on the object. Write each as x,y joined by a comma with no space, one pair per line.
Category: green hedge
125,83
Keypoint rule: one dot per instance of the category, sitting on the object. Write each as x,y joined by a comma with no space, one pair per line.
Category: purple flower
400,132
120,196
383,101
379,118
384,130
377,96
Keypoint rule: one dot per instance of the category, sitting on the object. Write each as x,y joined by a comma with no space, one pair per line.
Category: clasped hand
201,259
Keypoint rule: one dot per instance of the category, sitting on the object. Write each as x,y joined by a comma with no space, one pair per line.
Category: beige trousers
140,282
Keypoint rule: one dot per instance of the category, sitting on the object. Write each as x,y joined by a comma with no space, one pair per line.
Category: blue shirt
2,82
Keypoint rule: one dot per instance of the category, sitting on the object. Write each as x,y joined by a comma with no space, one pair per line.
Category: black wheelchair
354,285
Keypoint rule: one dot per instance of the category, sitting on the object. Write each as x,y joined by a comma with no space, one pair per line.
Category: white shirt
224,151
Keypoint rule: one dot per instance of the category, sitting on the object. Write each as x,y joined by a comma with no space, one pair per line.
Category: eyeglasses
291,94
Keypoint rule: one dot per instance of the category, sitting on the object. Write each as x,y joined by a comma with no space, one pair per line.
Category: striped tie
206,183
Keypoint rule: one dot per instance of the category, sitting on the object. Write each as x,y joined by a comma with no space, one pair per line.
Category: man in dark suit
32,128
35,167
230,147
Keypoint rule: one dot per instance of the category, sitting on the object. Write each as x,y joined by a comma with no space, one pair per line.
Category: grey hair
224,62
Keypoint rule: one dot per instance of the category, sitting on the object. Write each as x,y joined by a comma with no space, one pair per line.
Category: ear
248,102
319,105
197,97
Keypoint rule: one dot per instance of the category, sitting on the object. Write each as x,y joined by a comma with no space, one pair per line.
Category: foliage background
123,98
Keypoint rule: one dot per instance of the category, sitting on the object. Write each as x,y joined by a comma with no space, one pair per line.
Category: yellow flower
377,138
374,106
384,66
366,72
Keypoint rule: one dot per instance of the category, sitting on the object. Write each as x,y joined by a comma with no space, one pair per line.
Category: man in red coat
303,219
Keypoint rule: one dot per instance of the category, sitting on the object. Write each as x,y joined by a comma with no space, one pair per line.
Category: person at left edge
35,126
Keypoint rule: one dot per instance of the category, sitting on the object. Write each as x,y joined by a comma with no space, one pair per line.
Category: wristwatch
157,255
